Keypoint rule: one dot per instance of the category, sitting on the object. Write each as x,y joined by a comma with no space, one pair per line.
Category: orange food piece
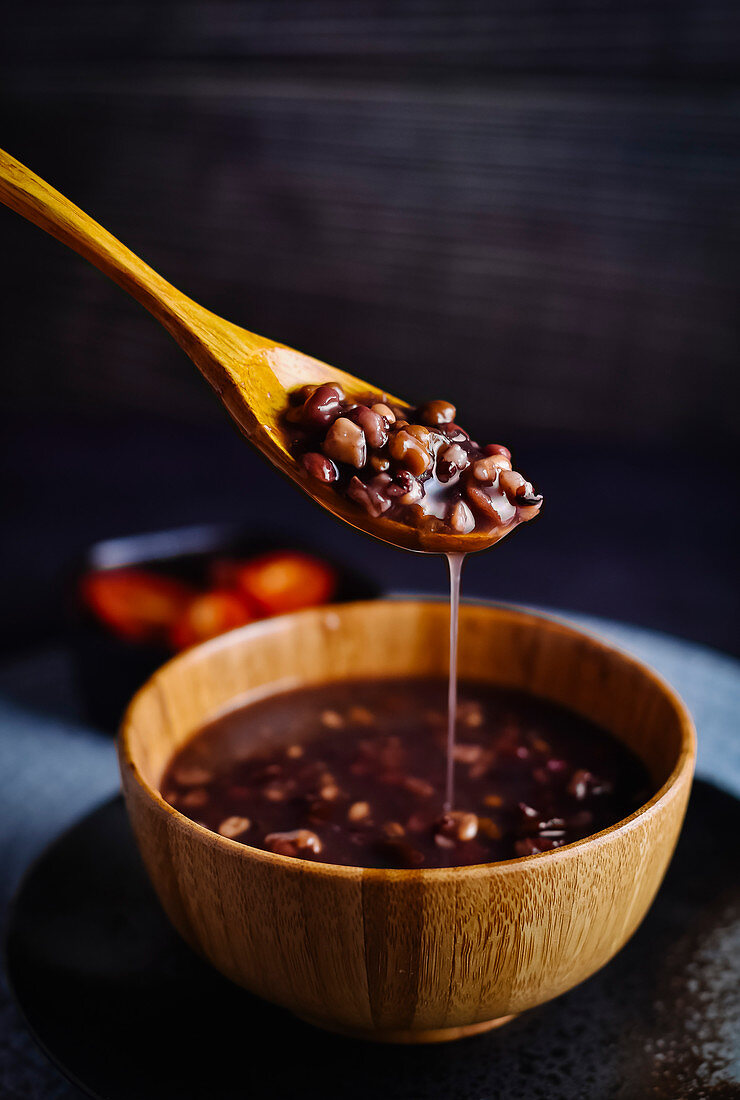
136,604
208,615
223,572
286,581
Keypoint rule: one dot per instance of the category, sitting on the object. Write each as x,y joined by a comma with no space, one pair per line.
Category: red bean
233,827
301,396
404,488
372,424
583,784
408,451
422,433
488,469
385,411
528,511
513,484
420,787
298,842
368,497
320,467
345,442
458,825
436,412
451,460
322,407
379,463
495,508
497,449
462,520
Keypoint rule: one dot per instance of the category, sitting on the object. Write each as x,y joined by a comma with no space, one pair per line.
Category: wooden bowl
407,955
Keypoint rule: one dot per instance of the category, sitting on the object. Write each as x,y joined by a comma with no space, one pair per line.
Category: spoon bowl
251,374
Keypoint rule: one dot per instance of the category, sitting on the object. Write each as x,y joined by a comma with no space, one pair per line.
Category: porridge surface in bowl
354,773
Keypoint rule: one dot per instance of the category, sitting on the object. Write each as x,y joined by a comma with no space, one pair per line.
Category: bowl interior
408,638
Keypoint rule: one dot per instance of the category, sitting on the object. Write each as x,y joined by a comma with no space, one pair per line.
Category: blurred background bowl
109,668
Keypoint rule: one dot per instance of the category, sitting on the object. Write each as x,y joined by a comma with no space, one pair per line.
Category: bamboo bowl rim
684,762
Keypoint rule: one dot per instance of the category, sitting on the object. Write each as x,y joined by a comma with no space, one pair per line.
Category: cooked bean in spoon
412,467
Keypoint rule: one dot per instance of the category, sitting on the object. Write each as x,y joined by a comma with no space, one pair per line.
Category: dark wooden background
529,207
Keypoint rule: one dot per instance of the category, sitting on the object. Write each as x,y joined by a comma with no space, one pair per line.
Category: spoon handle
31,197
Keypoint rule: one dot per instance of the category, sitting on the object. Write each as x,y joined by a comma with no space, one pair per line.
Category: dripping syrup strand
454,565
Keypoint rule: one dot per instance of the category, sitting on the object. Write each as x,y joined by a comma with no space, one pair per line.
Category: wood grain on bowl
408,955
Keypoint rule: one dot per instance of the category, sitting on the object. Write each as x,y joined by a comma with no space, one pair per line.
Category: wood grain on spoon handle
34,199
219,350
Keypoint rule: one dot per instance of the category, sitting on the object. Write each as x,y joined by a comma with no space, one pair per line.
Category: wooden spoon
251,374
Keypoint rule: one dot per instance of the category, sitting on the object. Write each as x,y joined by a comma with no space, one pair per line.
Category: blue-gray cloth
53,769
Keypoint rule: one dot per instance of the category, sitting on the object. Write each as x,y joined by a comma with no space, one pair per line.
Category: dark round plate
127,1011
